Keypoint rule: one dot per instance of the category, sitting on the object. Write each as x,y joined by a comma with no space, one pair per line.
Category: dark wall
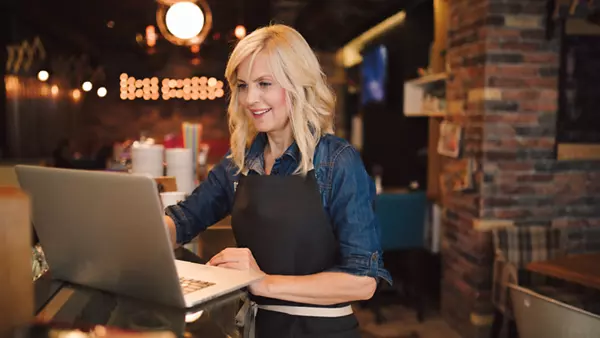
6,37
395,142
578,115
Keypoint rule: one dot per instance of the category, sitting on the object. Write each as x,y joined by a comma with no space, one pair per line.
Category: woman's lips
259,112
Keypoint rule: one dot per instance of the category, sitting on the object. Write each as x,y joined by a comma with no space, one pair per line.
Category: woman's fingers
230,255
233,266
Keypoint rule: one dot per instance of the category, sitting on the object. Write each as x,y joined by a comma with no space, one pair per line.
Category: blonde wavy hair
295,67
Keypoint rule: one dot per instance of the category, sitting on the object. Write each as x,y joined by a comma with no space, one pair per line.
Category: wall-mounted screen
374,74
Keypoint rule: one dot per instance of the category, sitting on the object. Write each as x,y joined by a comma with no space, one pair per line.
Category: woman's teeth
260,112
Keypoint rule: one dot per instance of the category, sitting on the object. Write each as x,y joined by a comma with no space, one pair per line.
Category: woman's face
261,96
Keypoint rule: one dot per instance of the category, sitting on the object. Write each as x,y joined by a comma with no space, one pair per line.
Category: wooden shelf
426,114
430,78
415,92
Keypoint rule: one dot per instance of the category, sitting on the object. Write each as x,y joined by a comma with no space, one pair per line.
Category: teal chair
402,221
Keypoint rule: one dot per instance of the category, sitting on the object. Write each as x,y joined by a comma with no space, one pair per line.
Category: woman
299,197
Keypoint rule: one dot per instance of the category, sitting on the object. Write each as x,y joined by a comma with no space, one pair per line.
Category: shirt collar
255,153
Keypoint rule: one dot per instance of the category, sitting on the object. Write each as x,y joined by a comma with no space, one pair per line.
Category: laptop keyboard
189,285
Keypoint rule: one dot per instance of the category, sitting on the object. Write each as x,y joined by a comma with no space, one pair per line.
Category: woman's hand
240,259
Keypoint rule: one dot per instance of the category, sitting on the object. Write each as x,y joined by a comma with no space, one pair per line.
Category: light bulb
101,92
240,31
43,75
184,20
87,86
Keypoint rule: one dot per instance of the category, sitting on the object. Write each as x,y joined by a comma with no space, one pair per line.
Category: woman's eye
264,84
242,86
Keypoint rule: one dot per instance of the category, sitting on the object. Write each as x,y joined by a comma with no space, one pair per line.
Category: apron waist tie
246,317
309,311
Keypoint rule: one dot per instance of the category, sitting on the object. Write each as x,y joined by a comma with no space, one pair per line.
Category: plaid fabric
515,248
521,246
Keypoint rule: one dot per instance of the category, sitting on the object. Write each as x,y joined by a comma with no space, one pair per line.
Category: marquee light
195,88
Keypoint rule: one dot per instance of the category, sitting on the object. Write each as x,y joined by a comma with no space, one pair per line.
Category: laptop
106,230
540,316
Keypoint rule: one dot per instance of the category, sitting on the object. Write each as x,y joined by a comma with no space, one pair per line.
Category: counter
80,307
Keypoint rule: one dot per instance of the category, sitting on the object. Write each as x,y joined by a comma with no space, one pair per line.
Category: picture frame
450,139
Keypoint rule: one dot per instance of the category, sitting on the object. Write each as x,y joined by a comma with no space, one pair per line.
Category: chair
402,218
515,248
541,316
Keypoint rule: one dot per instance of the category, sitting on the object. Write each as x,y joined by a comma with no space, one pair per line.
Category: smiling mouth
260,112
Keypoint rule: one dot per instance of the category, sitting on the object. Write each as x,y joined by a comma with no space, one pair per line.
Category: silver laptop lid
104,230
539,316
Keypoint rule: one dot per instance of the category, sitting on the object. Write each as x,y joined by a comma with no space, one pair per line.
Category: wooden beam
438,65
491,224
581,27
576,151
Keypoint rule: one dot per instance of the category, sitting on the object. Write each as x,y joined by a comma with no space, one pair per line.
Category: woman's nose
252,95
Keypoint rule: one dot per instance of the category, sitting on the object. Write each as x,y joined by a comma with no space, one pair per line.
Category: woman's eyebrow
263,77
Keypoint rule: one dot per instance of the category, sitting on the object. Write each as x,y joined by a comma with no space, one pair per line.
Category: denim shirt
347,195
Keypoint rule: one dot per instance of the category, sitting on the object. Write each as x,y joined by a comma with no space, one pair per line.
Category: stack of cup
180,164
147,159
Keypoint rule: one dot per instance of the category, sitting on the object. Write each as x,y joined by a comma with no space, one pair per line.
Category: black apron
282,221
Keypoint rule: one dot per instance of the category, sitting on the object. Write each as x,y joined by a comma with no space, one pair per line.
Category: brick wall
109,119
466,253
504,92
112,119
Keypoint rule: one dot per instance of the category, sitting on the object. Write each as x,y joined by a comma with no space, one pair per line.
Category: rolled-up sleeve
209,203
351,210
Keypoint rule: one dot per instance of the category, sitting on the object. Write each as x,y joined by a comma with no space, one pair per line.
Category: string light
150,36
87,86
43,75
76,93
240,31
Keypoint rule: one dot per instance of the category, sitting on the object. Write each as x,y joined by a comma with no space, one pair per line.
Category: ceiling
81,27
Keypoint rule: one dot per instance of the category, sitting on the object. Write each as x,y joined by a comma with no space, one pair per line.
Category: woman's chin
262,128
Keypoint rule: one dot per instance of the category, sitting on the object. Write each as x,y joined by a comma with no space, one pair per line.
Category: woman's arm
209,203
351,209
325,288
172,230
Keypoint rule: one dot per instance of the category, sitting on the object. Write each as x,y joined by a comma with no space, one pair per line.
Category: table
81,307
583,269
